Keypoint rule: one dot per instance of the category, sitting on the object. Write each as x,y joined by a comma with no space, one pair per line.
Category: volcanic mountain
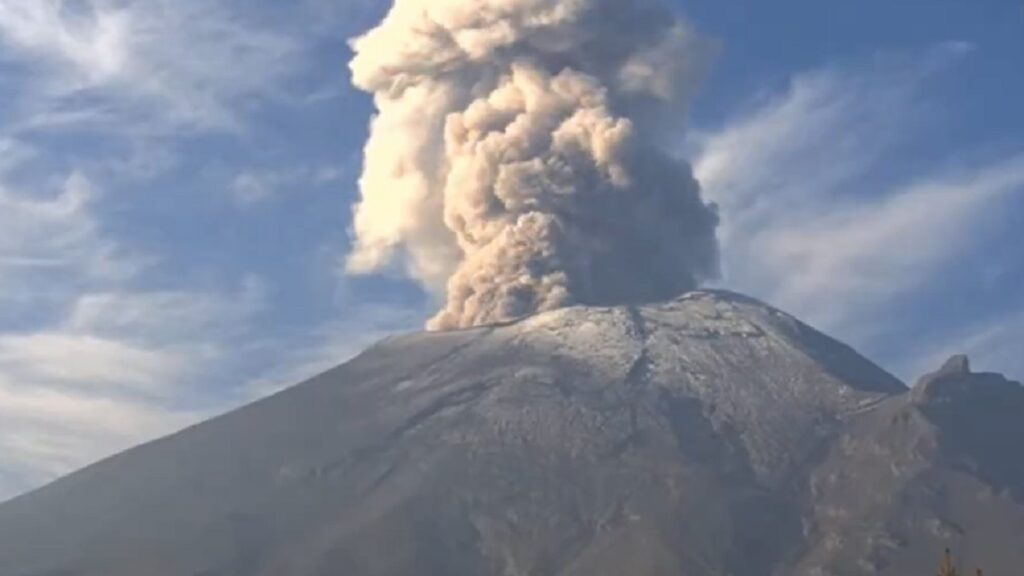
708,435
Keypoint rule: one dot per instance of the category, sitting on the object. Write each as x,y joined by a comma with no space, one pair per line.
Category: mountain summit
707,435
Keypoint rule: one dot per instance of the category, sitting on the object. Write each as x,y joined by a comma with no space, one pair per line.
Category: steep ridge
711,434
941,467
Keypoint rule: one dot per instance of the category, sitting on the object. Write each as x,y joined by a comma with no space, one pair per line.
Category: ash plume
517,161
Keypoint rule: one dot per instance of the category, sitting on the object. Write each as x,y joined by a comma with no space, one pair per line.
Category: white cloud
334,343
819,216
106,360
256,186
153,65
13,154
120,369
46,225
251,188
95,43
162,315
993,344
85,361
101,348
856,254
102,364
47,432
50,243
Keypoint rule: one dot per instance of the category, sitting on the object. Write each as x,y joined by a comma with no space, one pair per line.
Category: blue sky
177,177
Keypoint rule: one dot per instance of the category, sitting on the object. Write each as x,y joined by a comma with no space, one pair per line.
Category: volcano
707,435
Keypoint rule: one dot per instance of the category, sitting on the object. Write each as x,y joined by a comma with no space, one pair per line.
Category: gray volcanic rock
940,467
707,435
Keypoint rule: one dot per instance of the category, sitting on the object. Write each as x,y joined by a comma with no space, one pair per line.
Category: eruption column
518,160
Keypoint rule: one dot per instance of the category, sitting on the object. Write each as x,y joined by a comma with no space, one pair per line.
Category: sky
177,180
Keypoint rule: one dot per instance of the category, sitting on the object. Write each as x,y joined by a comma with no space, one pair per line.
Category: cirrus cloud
823,214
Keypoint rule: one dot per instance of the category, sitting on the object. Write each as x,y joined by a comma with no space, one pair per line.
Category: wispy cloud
257,186
333,343
107,340
54,236
993,344
826,214
75,360
96,357
47,432
104,343
165,314
92,43
120,64
90,361
120,368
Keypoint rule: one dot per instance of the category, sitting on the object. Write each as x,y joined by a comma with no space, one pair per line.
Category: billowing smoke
517,162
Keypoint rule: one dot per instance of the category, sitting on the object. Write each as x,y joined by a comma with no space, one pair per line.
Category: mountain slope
707,435
938,467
